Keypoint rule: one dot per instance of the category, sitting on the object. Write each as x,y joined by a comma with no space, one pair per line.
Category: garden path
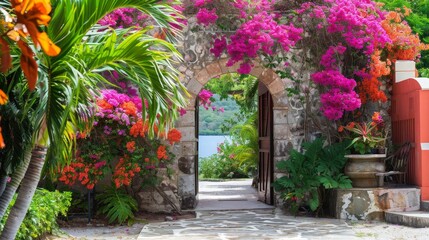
243,217
228,195
216,220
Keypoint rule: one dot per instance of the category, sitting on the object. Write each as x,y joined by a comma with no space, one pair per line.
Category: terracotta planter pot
361,169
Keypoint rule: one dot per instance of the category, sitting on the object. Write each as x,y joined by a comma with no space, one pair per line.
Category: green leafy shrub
222,165
311,172
42,214
117,205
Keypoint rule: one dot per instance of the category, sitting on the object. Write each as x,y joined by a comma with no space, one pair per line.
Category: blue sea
207,144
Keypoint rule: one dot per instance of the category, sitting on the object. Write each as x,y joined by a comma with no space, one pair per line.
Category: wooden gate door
265,129
197,131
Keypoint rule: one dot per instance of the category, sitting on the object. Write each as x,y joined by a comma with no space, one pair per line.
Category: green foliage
424,72
317,168
222,165
242,88
246,150
42,214
117,205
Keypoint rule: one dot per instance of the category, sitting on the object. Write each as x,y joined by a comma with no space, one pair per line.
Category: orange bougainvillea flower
3,98
2,145
104,104
161,153
174,136
351,125
131,146
129,108
340,128
139,129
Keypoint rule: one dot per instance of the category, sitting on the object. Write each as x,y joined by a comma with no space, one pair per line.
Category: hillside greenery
211,122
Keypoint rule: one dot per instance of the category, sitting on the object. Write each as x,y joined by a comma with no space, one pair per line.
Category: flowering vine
352,42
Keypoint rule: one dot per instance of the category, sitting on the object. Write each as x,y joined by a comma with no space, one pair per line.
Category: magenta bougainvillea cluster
348,33
259,32
125,18
205,98
132,17
357,26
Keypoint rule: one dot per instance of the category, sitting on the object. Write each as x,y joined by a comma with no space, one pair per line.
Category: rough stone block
189,147
281,132
282,148
214,70
222,64
267,77
188,134
194,87
280,116
186,164
152,201
371,203
203,76
188,202
186,184
280,100
187,120
186,190
276,86
257,71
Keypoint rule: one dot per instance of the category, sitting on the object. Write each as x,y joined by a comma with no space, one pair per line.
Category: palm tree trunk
25,194
3,180
17,177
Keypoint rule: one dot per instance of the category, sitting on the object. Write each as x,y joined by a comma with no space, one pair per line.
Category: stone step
424,206
417,219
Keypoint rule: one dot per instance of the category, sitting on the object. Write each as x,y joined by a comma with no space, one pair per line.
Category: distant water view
207,144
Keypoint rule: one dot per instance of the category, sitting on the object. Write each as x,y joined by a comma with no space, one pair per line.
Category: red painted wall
410,122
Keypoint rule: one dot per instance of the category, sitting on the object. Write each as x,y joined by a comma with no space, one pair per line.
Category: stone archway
186,150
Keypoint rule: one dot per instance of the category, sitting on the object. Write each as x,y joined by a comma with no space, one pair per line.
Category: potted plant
367,137
368,148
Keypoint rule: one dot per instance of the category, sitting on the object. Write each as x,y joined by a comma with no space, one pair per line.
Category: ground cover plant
42,214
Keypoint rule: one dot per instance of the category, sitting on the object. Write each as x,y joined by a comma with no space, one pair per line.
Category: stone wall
198,68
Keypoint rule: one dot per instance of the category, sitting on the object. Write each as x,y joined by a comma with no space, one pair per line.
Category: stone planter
361,169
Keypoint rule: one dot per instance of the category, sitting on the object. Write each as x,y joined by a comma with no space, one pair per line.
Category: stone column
186,157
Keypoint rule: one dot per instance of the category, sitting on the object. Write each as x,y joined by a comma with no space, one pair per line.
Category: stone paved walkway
230,210
216,220
251,224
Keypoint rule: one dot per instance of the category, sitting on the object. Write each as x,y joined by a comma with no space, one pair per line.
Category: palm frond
72,20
